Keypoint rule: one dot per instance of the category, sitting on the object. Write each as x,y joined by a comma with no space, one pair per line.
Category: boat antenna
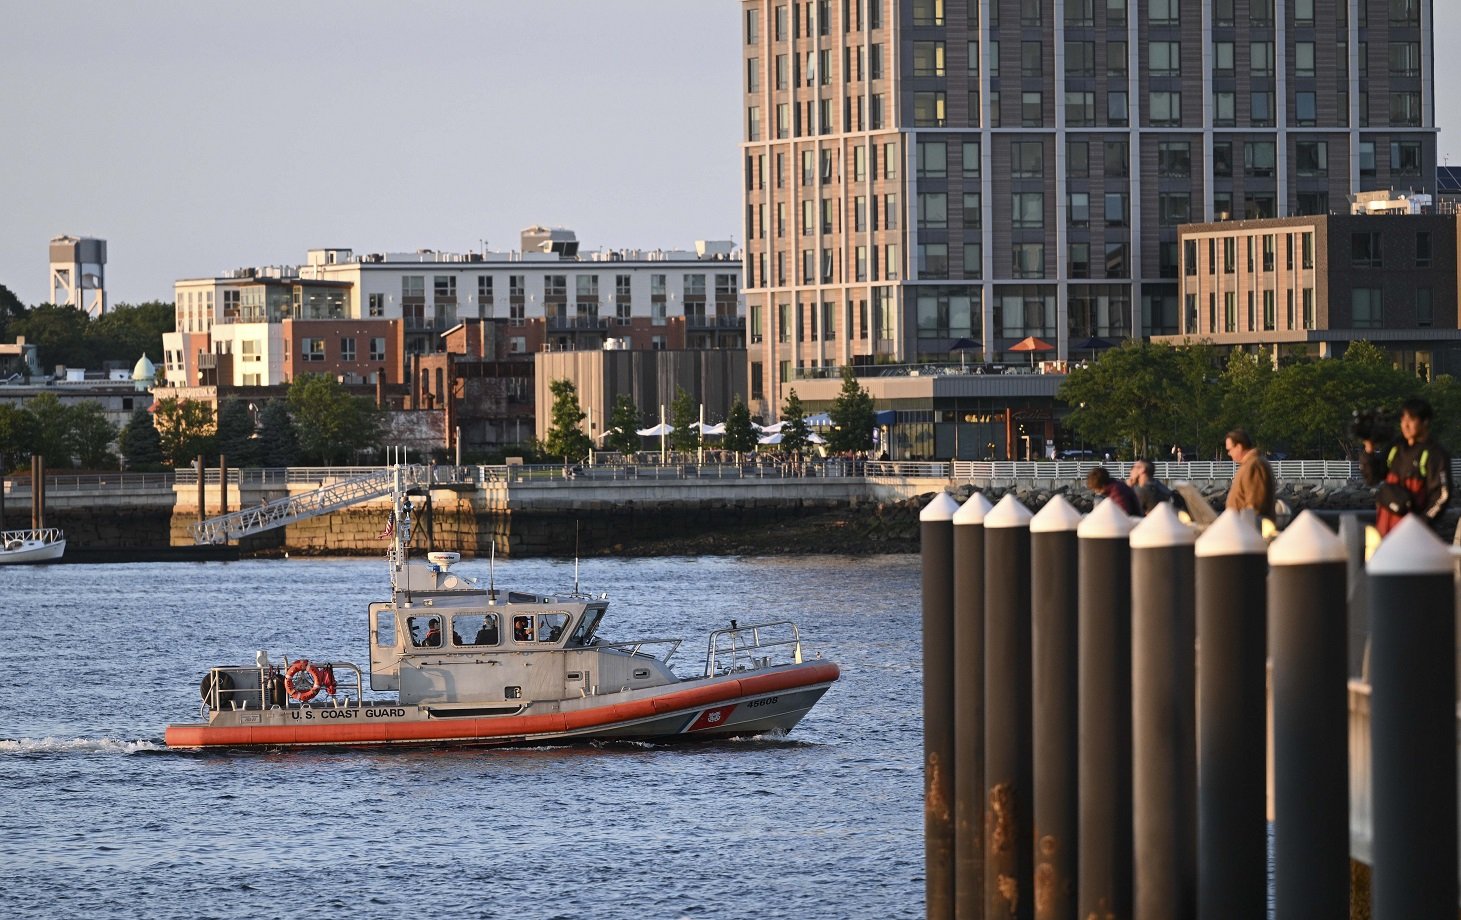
576,526
492,569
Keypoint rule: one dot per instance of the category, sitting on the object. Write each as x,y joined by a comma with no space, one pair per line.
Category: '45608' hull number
767,701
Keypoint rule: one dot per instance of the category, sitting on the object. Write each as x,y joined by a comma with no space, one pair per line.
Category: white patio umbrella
820,420
717,429
770,439
769,429
661,431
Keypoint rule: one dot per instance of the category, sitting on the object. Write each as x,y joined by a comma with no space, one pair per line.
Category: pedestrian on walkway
1253,485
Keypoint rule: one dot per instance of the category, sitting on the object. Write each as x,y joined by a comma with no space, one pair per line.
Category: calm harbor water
97,819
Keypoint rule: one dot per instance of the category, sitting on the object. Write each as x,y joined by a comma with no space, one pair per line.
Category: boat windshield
475,629
587,626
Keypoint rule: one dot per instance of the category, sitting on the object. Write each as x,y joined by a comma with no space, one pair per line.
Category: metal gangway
287,510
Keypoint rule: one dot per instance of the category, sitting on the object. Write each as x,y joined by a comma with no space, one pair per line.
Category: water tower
78,273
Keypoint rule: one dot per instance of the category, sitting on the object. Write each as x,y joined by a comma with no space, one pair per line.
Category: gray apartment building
923,171
1305,287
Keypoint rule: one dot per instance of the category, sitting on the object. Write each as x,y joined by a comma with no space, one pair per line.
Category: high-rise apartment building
923,171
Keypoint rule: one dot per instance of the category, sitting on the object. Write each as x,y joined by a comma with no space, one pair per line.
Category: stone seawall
715,527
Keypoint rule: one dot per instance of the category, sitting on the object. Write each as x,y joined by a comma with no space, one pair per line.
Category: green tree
1444,395
17,436
565,436
685,419
279,443
59,334
1309,406
739,435
140,444
796,433
236,440
51,434
330,423
1123,398
623,425
852,416
1245,382
186,430
1196,394
10,308
91,436
126,332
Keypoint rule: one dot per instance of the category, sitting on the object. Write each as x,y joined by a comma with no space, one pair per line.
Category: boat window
522,628
551,626
425,631
476,629
587,626
385,628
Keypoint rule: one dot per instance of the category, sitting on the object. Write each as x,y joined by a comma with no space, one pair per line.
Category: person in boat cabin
522,628
431,637
487,635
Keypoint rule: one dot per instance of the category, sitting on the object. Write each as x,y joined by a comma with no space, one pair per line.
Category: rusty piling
936,533
969,707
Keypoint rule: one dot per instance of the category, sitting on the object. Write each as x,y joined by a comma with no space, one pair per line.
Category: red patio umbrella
1032,345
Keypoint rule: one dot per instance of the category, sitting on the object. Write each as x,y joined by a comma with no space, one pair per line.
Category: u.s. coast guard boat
470,666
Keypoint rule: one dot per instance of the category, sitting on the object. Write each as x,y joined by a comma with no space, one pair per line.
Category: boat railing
636,647
758,645
44,535
252,687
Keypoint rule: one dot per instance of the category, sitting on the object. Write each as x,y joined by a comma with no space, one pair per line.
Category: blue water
98,819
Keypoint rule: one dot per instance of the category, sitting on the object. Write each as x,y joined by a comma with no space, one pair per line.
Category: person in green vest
1413,471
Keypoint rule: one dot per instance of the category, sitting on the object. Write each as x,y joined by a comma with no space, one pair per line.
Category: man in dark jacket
1413,471
1150,491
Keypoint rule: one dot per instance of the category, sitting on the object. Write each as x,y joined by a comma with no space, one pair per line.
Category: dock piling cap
942,508
1411,548
1232,534
1058,516
1010,512
1162,529
1307,541
973,511
1106,521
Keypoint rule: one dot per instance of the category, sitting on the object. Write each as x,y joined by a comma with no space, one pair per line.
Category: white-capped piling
1413,724
1054,621
1306,637
1103,758
1008,753
936,534
969,707
1232,832
1163,710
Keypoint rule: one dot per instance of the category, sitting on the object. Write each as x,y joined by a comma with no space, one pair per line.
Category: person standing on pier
1413,471
1253,485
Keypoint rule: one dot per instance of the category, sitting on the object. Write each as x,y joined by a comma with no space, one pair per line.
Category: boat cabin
445,640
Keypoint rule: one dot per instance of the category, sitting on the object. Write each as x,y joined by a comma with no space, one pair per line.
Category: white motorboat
471,665
20,546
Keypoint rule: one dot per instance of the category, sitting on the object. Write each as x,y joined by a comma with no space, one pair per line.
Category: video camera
1374,425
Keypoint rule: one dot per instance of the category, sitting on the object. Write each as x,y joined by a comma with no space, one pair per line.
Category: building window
376,305
1080,209
1405,59
1224,110
1405,109
1367,159
1306,111
1030,59
1116,160
928,12
1307,249
1079,260
1115,209
1260,107
1027,159
1174,159
1032,110
1029,210
1311,158
1080,57
1116,59
1303,59
378,349
1028,260
1116,111
1077,159
933,260
973,260
1116,260
1304,12
1164,12
1365,250
929,109
1260,58
1367,308
933,210
1222,57
973,211
933,159
1311,203
312,349
1258,158
928,59
1423,315
1309,308
1164,58
1423,250
1405,158
347,349
1080,109
1173,208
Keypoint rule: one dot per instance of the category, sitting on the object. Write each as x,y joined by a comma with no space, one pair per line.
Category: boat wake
31,746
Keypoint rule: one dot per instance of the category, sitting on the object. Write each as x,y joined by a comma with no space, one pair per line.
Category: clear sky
198,137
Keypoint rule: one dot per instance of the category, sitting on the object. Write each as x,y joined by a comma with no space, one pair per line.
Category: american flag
390,529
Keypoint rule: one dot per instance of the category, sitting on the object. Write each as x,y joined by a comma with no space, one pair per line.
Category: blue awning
885,417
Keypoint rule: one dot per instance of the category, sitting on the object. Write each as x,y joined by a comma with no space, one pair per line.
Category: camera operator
1413,471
